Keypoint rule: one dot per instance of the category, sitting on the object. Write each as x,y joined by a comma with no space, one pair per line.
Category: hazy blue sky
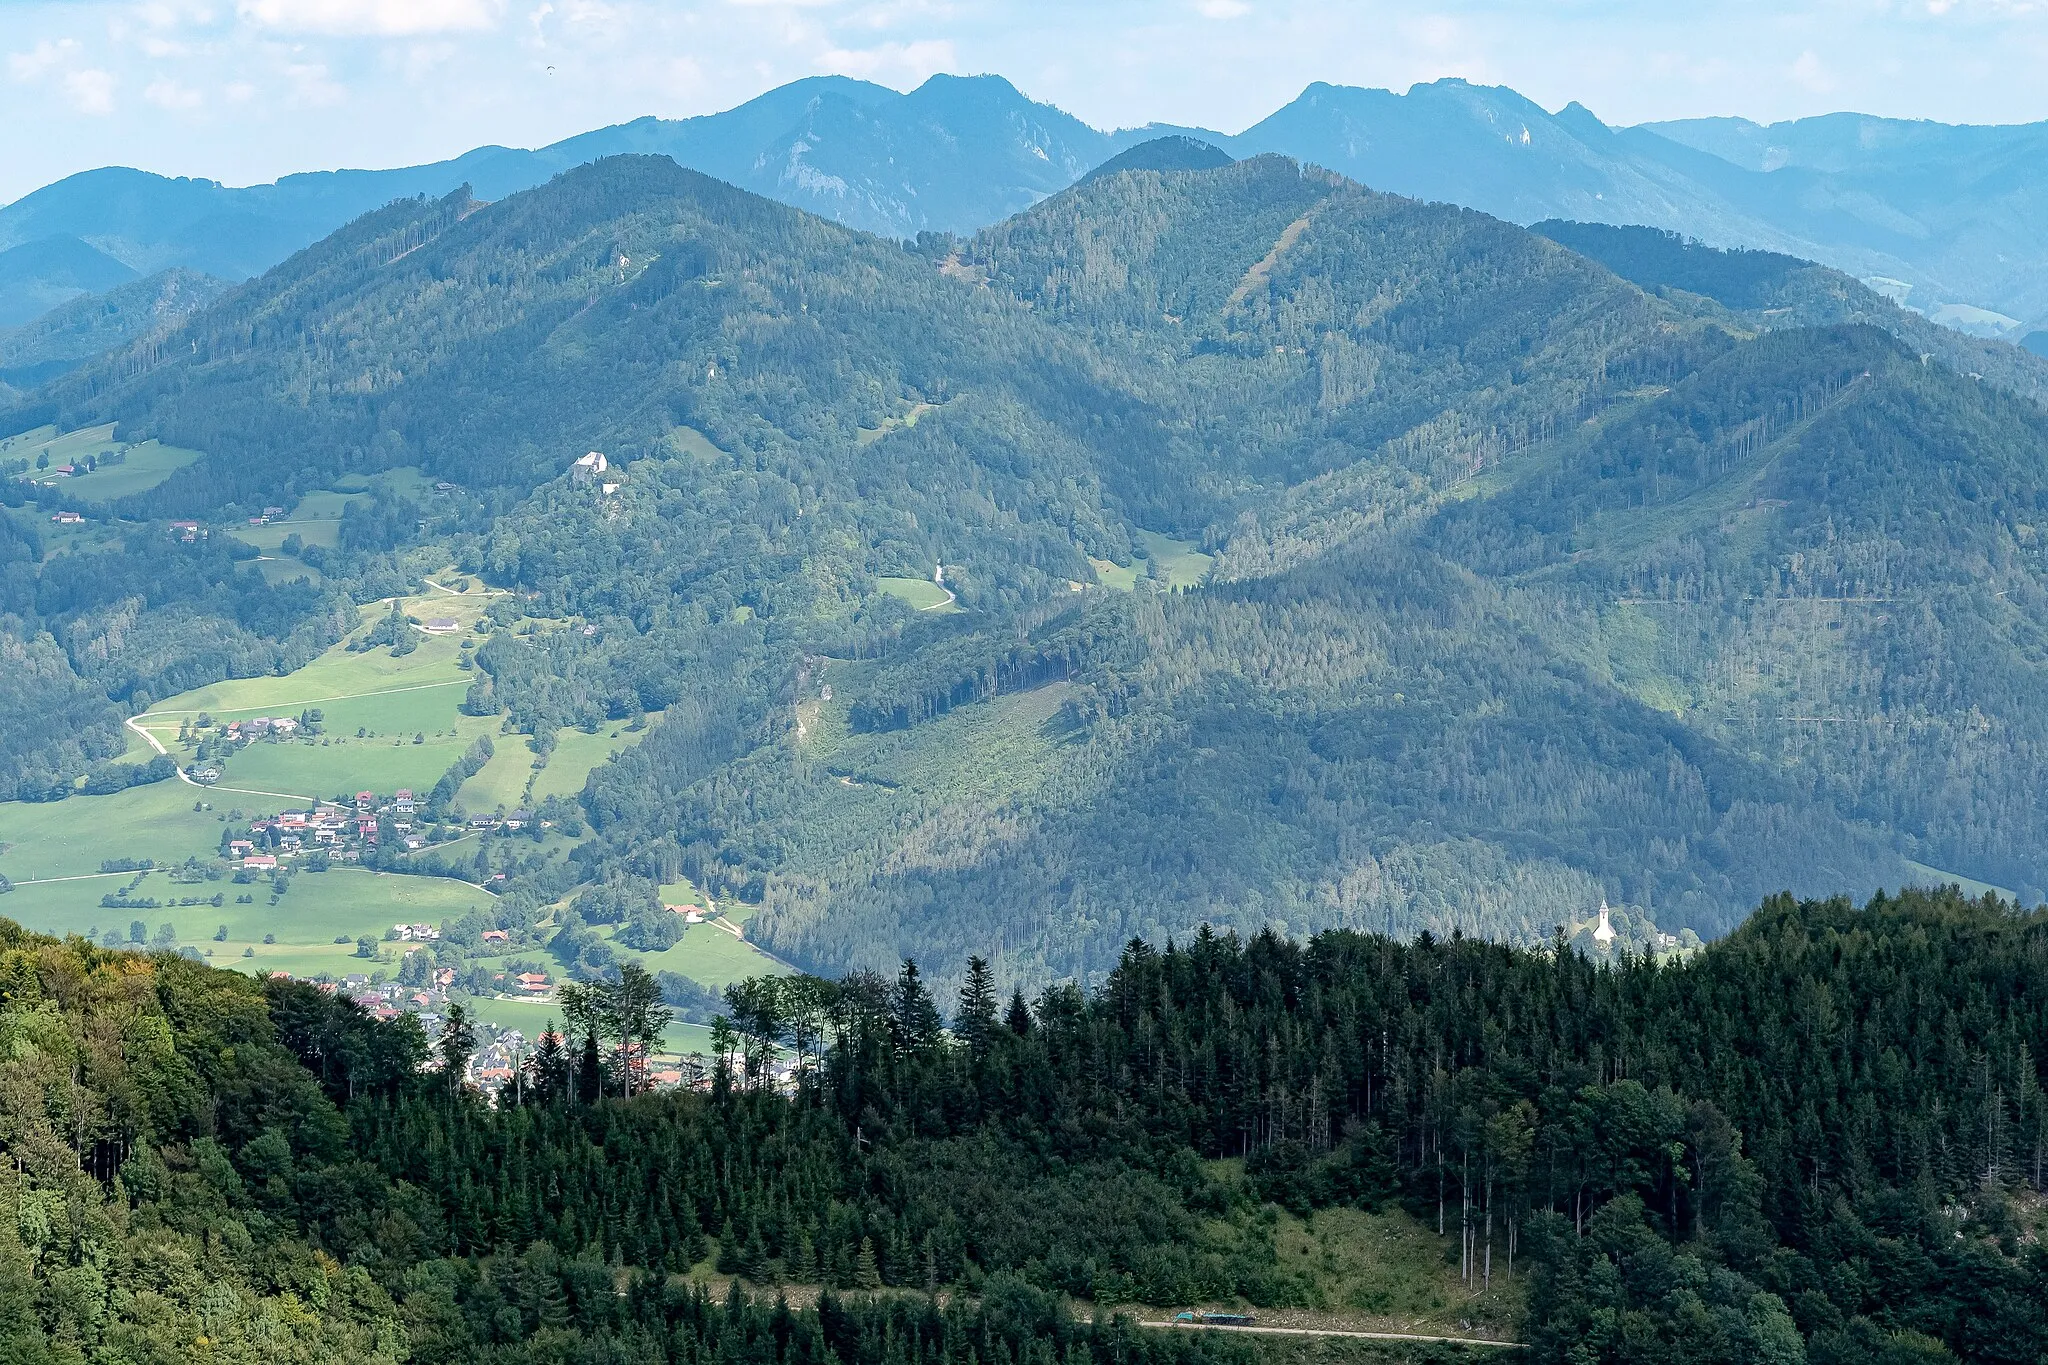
244,90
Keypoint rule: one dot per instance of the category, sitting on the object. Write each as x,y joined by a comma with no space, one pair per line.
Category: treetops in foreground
1821,1139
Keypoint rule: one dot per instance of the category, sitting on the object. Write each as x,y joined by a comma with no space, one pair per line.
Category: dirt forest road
1334,1332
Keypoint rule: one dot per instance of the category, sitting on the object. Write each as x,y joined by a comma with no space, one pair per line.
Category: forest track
1336,1332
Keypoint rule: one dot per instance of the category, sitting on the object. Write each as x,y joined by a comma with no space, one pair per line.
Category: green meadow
1172,564
144,464
69,838
530,1017
707,954
920,593
576,754
318,908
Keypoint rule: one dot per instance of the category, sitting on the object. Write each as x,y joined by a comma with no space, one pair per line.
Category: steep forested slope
1528,585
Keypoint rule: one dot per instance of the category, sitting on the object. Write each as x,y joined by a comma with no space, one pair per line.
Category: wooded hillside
1323,559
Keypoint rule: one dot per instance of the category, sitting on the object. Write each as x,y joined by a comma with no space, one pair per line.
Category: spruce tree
976,1021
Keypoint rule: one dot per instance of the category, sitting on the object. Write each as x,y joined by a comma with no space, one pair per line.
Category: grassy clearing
270,536
144,464
319,907
1122,577
67,838
1181,565
867,436
1382,1272
1167,563
531,1017
1934,876
576,754
326,767
502,783
920,593
389,689
709,956
695,444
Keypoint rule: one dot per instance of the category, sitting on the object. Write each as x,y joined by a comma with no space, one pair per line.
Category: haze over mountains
1953,215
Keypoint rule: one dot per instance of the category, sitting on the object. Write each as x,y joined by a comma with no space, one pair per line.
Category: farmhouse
67,518
260,862
531,981
496,936
441,625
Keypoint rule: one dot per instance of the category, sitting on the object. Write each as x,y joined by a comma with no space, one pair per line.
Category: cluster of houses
268,513
502,1051
342,832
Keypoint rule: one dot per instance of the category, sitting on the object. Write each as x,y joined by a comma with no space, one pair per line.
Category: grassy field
709,956
1934,876
327,768
1382,1272
1179,565
67,838
145,464
576,754
317,909
695,444
530,1017
921,593
908,418
502,783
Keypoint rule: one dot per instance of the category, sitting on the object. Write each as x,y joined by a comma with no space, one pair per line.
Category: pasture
318,908
532,1016
921,593
1167,563
143,465
577,753
70,838
341,764
707,954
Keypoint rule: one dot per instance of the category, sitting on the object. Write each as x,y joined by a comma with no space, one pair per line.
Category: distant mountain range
1948,219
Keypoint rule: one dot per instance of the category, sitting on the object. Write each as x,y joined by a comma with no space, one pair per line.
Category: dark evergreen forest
1821,1139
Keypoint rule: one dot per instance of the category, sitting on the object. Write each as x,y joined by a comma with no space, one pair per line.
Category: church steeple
1604,935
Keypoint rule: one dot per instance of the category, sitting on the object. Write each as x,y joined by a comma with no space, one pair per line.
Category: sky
245,90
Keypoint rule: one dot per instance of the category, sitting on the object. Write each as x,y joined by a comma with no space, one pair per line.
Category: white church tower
1604,935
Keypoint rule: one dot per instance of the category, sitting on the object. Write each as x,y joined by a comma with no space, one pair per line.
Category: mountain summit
1943,215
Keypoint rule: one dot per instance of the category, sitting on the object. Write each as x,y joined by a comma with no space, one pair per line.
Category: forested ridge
1524,581
1820,1139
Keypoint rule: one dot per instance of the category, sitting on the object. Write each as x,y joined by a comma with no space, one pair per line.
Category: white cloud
91,91
1222,9
375,18
30,65
911,63
311,86
165,94
1811,72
